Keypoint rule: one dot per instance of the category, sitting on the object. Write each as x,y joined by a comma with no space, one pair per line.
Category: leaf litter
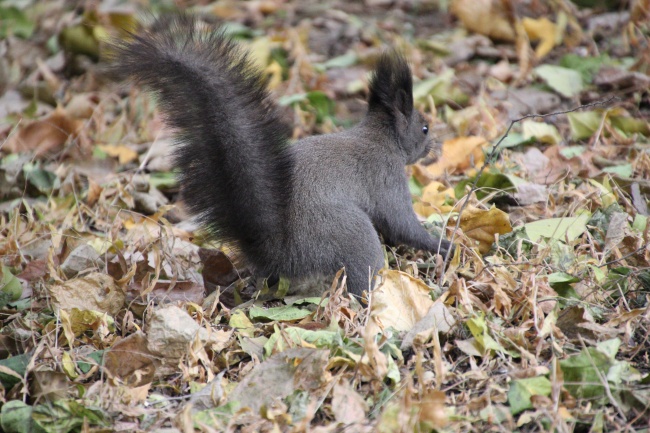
118,315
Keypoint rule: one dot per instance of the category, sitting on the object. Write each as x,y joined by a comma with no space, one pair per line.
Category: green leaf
323,339
218,418
163,180
15,363
43,180
441,88
584,372
543,132
80,39
561,278
624,170
13,21
64,416
566,82
630,125
586,66
9,286
581,373
237,30
522,390
285,313
415,187
640,222
479,329
292,99
96,356
609,347
321,103
318,101
572,151
584,124
564,229
488,183
343,61
513,139
16,417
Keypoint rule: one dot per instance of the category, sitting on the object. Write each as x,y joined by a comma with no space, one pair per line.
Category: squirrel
295,210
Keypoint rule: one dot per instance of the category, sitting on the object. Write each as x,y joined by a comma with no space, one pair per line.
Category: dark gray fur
295,210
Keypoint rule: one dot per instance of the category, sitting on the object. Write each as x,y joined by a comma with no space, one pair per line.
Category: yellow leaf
123,153
481,225
274,71
434,197
542,30
68,365
487,17
459,154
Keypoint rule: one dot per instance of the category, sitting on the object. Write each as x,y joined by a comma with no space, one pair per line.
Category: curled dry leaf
543,30
481,225
399,302
172,331
439,318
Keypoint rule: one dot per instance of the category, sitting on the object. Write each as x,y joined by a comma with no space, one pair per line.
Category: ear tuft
391,86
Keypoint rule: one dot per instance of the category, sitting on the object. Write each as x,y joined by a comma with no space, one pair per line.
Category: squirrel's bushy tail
234,168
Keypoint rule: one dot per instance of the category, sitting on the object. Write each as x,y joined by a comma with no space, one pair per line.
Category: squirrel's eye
425,130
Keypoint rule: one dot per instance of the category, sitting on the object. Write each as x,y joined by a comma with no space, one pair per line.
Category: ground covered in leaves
118,315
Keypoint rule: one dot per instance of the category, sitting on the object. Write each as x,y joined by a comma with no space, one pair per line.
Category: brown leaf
46,136
95,291
570,320
348,406
432,409
130,362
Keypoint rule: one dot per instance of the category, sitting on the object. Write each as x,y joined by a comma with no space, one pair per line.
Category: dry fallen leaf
46,136
123,153
481,225
459,154
432,409
95,291
487,17
348,406
400,301
542,30
130,362
434,197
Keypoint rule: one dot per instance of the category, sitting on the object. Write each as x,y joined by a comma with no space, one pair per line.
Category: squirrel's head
391,103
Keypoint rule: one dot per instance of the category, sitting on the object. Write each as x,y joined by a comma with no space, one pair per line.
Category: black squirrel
295,210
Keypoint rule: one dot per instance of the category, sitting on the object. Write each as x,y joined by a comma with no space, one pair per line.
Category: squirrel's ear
391,87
